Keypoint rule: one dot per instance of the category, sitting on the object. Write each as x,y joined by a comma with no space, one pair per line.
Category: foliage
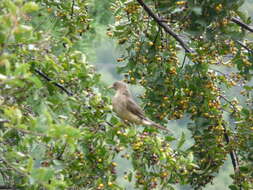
194,86
57,130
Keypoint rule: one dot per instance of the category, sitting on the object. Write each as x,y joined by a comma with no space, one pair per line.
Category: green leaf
11,6
130,176
30,7
181,141
36,81
170,138
42,174
233,187
190,156
30,164
23,33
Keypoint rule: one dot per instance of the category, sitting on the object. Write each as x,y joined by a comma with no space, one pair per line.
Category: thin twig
164,26
109,124
242,24
232,153
244,46
13,167
217,71
183,62
4,121
54,83
157,34
61,153
28,132
6,187
224,98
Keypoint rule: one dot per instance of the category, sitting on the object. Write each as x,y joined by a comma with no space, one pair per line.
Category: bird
127,109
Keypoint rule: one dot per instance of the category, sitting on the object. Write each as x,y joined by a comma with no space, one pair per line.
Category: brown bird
127,109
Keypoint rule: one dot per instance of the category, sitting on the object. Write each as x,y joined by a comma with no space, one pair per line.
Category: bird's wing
133,107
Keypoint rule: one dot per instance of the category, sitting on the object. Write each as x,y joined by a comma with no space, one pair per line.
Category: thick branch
54,83
164,26
242,24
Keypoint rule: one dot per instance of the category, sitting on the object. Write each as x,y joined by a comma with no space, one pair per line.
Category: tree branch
61,153
72,8
22,130
54,83
183,62
4,120
224,98
6,187
13,167
244,46
242,24
27,131
232,153
165,26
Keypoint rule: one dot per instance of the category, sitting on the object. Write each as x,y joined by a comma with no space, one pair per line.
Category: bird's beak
110,87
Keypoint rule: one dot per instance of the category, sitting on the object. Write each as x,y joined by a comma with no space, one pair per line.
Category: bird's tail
160,127
152,123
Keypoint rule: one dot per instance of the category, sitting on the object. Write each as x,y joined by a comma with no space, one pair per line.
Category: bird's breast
120,108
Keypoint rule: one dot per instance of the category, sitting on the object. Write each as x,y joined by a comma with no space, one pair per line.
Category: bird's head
119,85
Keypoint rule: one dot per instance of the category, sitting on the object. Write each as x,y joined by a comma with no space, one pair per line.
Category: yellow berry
99,160
101,186
159,59
165,98
150,43
181,2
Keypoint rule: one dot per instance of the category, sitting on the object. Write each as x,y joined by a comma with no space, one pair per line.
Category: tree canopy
194,59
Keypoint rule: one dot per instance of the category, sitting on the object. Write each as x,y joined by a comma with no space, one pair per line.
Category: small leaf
36,81
190,156
233,187
30,7
181,141
42,174
30,164
11,6
130,176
